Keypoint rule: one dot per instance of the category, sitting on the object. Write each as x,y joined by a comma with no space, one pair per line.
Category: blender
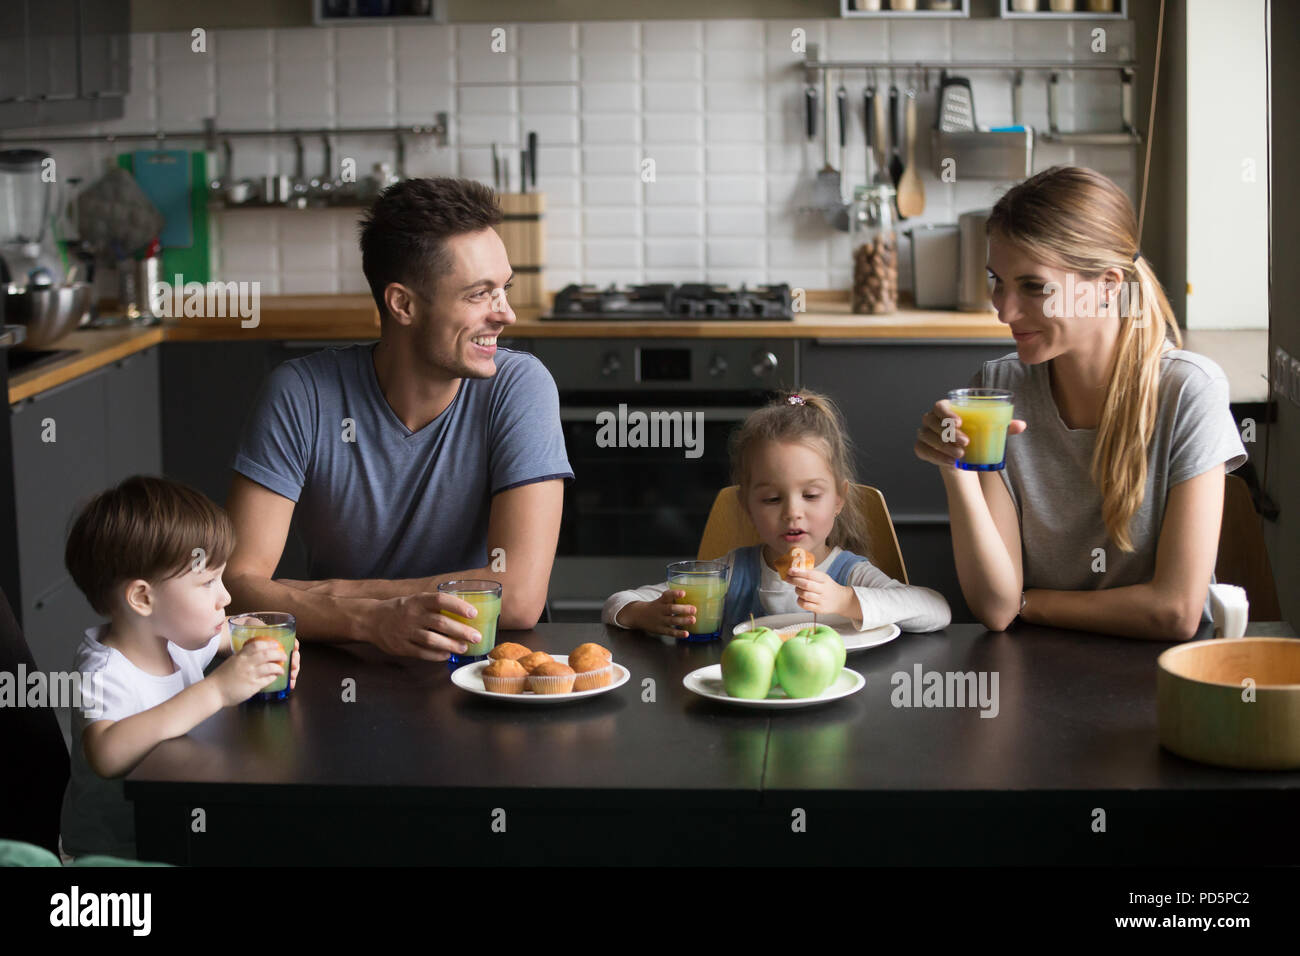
32,275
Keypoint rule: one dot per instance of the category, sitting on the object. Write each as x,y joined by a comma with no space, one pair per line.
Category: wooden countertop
1243,354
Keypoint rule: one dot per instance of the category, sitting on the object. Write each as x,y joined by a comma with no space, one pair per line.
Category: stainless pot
48,312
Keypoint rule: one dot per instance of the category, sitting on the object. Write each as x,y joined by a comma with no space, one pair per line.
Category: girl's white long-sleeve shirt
881,599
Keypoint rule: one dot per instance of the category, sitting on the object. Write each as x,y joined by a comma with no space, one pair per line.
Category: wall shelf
1045,13
961,11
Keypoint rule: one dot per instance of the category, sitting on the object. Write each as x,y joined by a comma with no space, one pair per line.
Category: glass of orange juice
985,414
261,626
485,596
705,584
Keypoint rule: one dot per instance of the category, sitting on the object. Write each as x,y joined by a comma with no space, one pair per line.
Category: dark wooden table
415,770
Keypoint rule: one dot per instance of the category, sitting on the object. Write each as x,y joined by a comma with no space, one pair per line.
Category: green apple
830,638
763,635
805,668
747,668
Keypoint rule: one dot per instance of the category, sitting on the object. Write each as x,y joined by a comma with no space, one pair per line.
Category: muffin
505,677
533,660
551,677
509,651
592,671
589,648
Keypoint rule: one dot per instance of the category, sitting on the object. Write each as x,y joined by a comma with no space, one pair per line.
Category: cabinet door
52,49
134,422
105,47
53,625
60,461
883,390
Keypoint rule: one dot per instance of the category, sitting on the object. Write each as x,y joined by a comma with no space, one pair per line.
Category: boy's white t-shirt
97,817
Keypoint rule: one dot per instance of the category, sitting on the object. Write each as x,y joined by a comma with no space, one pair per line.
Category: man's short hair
147,528
404,233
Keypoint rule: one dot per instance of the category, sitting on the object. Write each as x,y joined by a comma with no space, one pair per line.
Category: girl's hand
293,667
818,592
661,616
940,439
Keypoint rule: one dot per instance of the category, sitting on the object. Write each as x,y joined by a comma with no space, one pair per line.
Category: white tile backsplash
717,104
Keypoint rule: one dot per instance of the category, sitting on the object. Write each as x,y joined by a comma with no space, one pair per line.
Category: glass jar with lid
874,244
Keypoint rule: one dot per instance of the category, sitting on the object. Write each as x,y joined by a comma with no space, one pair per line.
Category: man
429,456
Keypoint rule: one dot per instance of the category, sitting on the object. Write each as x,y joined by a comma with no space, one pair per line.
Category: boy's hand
293,665
661,616
240,677
818,592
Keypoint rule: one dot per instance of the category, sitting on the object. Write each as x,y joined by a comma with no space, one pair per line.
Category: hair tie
795,400
1136,255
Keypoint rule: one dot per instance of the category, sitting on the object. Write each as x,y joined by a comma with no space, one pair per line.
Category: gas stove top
691,301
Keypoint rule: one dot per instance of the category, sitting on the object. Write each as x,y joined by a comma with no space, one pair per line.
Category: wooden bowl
1204,708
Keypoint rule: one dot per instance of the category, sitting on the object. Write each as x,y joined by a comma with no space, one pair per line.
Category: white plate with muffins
787,625
514,672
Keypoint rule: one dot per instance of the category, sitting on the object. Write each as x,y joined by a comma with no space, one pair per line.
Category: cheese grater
956,105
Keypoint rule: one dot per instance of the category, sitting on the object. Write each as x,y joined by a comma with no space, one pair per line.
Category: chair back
1243,556
33,757
729,527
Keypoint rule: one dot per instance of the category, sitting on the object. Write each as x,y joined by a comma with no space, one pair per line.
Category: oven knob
611,365
717,366
765,364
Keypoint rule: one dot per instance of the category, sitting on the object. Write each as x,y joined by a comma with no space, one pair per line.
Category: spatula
826,190
895,138
911,194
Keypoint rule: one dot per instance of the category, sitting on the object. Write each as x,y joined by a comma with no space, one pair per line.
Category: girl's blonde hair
1078,220
817,423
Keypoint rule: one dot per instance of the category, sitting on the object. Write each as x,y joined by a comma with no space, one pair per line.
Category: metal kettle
972,261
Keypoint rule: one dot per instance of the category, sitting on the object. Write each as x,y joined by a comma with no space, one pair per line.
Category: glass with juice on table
262,626
705,584
485,597
985,414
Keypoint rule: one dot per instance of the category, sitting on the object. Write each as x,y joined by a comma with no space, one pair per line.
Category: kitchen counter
1243,354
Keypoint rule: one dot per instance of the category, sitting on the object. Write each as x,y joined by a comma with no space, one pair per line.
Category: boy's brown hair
147,528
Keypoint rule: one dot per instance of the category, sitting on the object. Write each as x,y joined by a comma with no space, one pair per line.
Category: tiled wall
716,103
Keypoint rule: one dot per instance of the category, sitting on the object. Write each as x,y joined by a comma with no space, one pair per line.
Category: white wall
717,103
1227,130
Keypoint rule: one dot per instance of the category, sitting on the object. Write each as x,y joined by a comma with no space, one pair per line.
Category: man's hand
414,626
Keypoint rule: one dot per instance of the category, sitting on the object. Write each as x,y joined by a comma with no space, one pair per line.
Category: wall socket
1286,375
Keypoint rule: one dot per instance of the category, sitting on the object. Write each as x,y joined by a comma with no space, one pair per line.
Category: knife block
524,236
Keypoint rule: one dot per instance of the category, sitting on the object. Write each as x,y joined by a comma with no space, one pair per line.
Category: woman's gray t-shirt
1048,470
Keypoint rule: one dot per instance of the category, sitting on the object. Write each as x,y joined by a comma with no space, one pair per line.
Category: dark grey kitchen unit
883,387
104,426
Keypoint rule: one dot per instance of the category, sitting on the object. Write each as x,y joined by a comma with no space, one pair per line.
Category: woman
1106,517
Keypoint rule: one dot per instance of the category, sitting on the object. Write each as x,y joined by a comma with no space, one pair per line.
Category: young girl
791,462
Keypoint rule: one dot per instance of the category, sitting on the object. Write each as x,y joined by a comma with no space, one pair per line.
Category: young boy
148,555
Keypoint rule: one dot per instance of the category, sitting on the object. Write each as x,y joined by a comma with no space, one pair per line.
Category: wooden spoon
911,194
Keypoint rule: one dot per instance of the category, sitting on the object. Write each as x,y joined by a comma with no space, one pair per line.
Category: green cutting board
193,262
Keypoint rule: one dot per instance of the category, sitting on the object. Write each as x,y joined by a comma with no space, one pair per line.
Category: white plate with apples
707,682
788,625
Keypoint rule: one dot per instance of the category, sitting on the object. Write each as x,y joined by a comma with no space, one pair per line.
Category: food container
873,242
935,265
1232,703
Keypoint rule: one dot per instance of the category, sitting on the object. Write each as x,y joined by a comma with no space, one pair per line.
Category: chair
33,755
1243,555
729,527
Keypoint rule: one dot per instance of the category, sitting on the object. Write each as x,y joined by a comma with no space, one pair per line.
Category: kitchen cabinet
883,389
64,61
70,443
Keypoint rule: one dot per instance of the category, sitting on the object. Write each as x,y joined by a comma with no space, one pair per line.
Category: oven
646,426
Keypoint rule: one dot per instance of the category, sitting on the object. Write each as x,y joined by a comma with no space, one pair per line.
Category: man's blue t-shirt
376,500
